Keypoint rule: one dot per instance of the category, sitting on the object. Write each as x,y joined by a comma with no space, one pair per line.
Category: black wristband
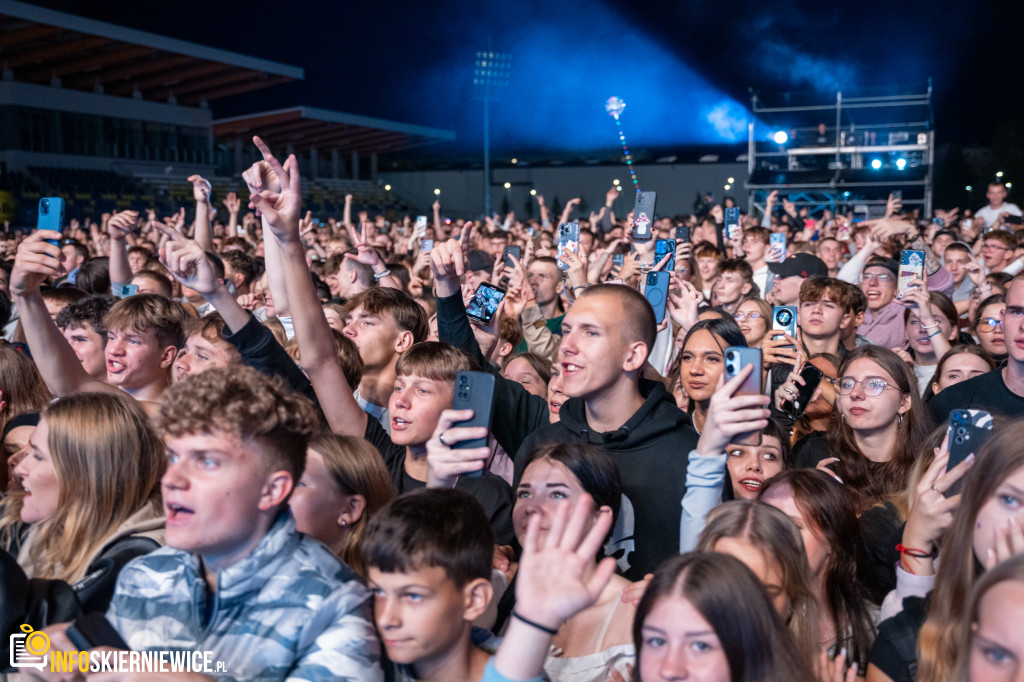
534,625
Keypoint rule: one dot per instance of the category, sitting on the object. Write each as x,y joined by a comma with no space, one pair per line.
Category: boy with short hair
734,284
428,556
236,578
82,325
144,332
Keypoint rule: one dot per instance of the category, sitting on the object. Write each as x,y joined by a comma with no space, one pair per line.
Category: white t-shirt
990,214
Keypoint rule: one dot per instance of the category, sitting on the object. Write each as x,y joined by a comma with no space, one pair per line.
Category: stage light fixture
999,174
876,163
508,185
901,164
533,192
781,137
731,180
437,191
387,188
615,181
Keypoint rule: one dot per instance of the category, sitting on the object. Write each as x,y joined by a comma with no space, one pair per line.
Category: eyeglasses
993,247
748,316
872,386
881,279
989,324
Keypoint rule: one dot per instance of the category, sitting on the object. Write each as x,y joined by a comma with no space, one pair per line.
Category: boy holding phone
424,373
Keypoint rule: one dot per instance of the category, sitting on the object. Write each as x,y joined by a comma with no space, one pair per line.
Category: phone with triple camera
665,247
474,391
683,233
512,250
736,358
656,293
911,268
51,216
643,216
568,240
485,302
968,430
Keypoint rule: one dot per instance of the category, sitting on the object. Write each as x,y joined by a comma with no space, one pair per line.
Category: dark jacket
651,450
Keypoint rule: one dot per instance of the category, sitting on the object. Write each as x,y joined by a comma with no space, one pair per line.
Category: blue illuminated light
901,164
781,137
876,163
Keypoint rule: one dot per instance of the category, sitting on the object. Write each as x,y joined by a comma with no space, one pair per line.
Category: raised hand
200,188
189,264
552,583
36,260
447,263
232,203
684,302
730,415
931,511
280,209
121,224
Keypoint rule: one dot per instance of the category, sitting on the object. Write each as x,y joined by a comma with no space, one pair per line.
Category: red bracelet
917,553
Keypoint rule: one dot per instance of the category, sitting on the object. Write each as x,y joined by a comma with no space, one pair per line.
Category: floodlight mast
490,76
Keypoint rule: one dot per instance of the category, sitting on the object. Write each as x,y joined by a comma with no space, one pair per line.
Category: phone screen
485,302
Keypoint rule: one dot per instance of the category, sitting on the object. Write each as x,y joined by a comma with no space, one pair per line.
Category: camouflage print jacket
288,611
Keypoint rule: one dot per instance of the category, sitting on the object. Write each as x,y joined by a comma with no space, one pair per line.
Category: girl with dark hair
931,326
878,423
987,326
706,617
701,361
826,515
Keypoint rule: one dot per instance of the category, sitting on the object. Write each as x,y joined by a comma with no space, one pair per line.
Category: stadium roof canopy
38,44
305,127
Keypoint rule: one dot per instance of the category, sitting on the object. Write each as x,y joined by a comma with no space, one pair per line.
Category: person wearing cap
790,274
883,321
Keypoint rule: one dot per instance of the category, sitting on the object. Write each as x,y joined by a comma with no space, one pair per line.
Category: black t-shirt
985,392
895,648
492,492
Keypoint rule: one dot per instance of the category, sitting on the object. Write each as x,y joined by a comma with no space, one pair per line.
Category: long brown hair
778,539
1011,570
23,391
356,468
854,465
727,594
942,633
832,509
108,462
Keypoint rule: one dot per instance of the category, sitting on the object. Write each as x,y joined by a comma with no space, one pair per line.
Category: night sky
684,68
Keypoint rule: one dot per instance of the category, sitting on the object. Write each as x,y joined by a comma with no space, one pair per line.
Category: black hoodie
651,450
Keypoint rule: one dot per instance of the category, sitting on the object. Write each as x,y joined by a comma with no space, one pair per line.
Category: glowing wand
614,106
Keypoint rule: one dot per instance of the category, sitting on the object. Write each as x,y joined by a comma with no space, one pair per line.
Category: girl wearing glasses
988,327
753,316
876,427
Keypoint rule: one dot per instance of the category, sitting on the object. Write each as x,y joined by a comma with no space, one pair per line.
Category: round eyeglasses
989,324
747,316
871,386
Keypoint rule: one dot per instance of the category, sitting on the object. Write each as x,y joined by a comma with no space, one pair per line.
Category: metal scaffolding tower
844,154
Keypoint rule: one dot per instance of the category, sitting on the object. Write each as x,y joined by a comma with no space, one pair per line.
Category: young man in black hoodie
607,336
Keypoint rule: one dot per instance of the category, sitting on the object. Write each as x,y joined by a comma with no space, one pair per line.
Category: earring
343,523
901,418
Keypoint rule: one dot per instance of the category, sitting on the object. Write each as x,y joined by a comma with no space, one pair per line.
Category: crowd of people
237,436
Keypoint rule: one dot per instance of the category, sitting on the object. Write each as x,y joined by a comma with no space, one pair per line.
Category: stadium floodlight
876,164
901,163
490,76
781,137
508,185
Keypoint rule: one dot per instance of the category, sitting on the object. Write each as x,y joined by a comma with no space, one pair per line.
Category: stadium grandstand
111,117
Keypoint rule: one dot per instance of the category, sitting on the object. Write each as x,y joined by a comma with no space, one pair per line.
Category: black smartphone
512,250
656,293
736,358
665,247
732,222
474,391
1013,220
51,216
968,430
683,233
485,303
93,630
897,194
643,216
812,376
